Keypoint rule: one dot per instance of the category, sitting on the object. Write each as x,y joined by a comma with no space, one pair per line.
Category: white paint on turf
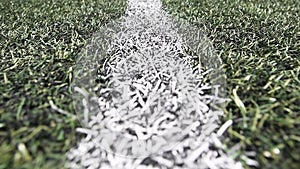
148,105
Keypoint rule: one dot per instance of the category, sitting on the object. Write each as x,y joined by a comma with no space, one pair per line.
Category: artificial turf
258,42
39,43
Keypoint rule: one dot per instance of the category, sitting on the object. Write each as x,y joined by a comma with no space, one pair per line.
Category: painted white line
154,109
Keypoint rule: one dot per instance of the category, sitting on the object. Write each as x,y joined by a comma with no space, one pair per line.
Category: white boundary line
153,112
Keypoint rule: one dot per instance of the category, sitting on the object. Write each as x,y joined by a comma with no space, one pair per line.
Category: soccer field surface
257,41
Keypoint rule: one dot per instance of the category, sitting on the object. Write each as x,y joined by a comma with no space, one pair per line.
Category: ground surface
39,45
258,43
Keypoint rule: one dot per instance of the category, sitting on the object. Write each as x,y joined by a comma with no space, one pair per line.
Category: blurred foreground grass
259,43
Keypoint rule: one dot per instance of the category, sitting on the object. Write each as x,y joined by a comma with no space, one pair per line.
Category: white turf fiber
150,106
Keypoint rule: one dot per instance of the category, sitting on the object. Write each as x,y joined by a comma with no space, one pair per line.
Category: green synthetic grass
39,43
259,43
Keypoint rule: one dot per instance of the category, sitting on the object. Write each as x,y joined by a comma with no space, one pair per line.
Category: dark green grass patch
259,43
39,43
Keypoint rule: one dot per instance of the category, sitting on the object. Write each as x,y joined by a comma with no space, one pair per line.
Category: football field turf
259,43
39,42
